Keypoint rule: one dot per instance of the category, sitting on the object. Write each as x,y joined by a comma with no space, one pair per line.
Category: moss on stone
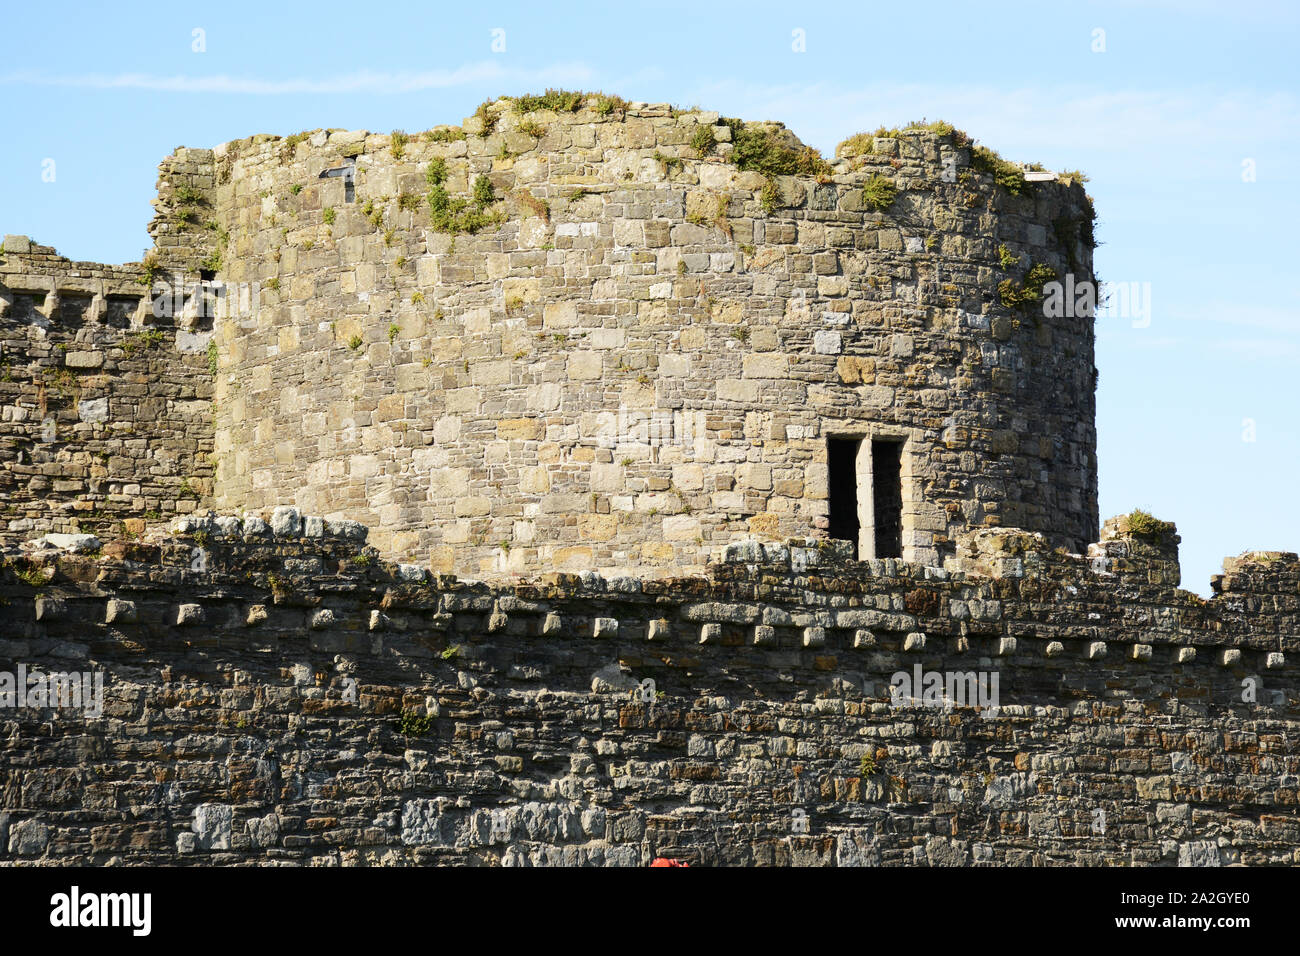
1006,174
559,101
704,140
1142,524
879,193
762,150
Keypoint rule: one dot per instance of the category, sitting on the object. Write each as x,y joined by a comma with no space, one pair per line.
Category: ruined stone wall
275,694
105,409
642,360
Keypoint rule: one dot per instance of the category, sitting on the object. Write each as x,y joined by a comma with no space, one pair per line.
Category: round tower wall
646,353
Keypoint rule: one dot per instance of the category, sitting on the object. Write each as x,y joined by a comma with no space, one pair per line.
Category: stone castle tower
580,335
577,333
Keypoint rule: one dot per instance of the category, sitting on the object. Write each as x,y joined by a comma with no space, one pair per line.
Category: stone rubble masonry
334,708
105,409
638,364
608,413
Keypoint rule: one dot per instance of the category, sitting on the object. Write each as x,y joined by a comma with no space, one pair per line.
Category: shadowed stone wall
275,694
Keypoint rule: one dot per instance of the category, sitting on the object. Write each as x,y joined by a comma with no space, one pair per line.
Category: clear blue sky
1162,121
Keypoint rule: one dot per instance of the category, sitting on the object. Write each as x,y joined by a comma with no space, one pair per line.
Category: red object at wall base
664,861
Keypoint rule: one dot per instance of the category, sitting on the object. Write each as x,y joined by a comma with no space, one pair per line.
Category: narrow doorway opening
842,490
887,497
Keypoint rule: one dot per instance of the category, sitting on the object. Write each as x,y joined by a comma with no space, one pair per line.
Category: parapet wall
275,694
641,357
105,408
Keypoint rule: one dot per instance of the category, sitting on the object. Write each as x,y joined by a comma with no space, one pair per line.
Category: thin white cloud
1069,122
1261,349
1276,318
359,82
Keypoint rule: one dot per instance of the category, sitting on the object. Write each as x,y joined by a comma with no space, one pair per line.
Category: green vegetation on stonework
414,724
770,196
757,149
487,119
189,195
703,140
859,144
1143,524
1008,259
1006,174
136,341
532,128
558,101
290,143
444,134
669,163
454,214
539,207
33,576
605,105
151,266
1030,292
327,214
879,193
862,144
212,357
397,141
223,235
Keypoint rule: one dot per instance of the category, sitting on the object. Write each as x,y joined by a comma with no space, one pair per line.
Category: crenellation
350,651
601,484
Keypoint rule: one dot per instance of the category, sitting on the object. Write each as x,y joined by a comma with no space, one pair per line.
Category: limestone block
84,359
286,521
585,366
766,365
50,608
118,611
212,826
189,614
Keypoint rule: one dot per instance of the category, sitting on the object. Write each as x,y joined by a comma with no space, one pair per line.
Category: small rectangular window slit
842,472
887,497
